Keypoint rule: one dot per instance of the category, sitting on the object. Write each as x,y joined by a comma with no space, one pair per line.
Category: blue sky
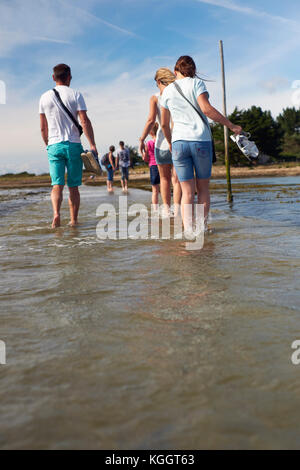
114,48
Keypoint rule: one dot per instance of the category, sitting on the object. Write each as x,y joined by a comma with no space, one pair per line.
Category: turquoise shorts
62,156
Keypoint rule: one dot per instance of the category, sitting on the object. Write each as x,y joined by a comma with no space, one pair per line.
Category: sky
114,48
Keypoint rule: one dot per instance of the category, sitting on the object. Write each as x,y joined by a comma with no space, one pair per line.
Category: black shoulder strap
186,99
199,114
80,130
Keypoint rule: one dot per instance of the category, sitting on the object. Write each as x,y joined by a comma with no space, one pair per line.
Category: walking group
121,162
180,150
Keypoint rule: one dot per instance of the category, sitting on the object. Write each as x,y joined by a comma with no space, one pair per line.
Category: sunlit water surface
140,344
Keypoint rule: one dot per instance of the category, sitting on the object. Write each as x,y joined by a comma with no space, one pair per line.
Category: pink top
150,148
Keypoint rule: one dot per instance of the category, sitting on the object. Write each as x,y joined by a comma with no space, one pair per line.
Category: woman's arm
165,125
150,122
213,114
145,154
111,160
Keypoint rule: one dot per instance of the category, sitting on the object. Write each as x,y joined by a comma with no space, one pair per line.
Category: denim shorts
125,172
62,156
110,173
154,175
192,158
163,157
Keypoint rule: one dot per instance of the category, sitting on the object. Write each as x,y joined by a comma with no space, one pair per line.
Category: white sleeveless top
160,142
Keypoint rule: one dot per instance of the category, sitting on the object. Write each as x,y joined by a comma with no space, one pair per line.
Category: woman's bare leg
165,184
155,193
177,193
187,203
203,195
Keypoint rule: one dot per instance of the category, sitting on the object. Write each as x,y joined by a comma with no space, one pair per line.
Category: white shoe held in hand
247,146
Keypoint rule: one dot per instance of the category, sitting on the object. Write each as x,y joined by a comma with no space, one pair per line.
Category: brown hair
61,73
165,76
186,66
112,148
154,129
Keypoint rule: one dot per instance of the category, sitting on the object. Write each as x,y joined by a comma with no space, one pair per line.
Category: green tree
134,156
264,130
289,121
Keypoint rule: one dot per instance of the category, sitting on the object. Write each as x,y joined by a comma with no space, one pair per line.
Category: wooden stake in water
227,162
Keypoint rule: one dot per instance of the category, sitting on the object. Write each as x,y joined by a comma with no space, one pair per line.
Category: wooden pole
227,162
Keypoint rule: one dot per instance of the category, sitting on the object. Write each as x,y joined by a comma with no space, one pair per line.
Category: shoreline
141,176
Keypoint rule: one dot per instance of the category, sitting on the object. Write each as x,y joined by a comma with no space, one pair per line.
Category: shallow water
140,344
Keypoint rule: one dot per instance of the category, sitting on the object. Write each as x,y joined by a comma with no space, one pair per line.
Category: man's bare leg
74,203
56,199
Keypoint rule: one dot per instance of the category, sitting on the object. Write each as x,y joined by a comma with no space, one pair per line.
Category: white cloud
117,110
55,21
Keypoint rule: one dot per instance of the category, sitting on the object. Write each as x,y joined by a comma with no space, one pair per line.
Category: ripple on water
142,344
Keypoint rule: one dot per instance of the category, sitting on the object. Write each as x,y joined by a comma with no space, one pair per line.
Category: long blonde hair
165,76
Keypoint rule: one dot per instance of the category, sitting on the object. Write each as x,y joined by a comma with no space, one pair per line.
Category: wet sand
139,177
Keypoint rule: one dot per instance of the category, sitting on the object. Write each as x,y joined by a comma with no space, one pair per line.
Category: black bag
214,158
105,160
79,127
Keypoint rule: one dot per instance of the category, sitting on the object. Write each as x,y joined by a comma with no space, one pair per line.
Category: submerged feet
73,223
56,221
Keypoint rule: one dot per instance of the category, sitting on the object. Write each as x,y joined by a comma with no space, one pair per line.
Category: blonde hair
165,76
154,129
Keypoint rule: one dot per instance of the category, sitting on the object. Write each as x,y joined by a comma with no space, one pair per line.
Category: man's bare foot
73,223
56,221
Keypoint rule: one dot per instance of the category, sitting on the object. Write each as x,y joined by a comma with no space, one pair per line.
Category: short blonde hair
165,76
154,129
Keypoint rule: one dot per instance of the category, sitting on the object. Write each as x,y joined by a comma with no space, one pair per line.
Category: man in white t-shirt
62,138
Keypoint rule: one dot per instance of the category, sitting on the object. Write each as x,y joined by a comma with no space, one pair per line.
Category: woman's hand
236,129
142,147
170,147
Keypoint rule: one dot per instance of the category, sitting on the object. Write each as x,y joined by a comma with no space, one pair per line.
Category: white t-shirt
187,124
124,157
60,126
161,142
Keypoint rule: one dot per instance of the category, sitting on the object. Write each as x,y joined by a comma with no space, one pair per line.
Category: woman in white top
190,141
163,156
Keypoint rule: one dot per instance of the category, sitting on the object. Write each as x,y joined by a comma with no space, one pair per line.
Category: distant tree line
277,138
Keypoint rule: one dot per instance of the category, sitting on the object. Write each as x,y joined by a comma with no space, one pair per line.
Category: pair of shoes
248,147
91,162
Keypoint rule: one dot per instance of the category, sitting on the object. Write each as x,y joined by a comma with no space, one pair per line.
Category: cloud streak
230,5
106,23
54,22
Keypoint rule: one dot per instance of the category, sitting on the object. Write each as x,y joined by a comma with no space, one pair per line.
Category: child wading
108,160
149,157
